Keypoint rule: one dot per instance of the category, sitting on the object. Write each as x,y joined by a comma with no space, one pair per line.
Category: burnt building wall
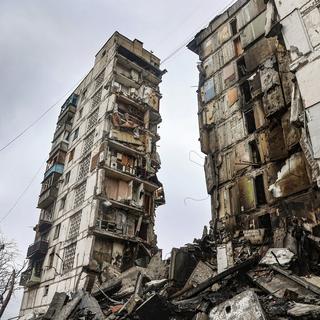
257,165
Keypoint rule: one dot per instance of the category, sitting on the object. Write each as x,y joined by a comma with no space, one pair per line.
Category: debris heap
241,278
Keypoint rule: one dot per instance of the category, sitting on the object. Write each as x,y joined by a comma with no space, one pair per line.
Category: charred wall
256,167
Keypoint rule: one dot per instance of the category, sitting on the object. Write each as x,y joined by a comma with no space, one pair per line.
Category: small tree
9,271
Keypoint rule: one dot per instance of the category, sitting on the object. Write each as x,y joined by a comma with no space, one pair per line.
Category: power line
39,118
22,193
187,40
58,101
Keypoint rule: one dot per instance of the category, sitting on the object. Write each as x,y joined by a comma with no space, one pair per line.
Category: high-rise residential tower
100,188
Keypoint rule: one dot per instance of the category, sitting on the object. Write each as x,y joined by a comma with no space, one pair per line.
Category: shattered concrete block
201,316
243,306
201,273
224,256
301,309
181,266
277,256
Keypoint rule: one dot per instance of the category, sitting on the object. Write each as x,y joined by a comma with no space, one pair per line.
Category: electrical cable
193,199
172,54
23,193
187,40
39,118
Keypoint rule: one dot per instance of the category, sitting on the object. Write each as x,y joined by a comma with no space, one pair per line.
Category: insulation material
308,80
292,177
254,30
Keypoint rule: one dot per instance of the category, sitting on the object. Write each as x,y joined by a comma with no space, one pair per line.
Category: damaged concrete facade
261,167
100,188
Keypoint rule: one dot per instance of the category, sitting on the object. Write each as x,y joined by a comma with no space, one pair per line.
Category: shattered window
92,121
79,195
74,228
88,143
96,98
84,167
68,258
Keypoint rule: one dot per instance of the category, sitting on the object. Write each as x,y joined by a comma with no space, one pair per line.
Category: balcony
37,250
57,168
69,108
48,197
62,128
59,144
45,221
30,277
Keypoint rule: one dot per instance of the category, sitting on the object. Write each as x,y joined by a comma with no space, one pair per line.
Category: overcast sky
46,47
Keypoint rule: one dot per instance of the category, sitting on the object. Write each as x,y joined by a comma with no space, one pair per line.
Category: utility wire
22,193
172,54
187,40
39,118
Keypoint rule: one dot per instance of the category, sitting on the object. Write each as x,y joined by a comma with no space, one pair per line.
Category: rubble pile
216,277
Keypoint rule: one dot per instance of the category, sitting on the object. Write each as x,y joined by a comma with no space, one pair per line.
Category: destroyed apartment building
259,113
100,187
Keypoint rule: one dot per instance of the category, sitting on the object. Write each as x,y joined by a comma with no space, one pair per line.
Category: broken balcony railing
45,221
69,103
30,277
37,249
57,168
